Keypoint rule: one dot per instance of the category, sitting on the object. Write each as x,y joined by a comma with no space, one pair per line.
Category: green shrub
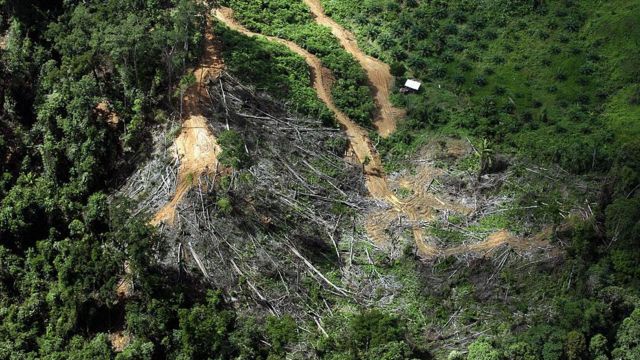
598,347
459,79
480,81
482,350
627,346
233,153
225,207
281,332
373,328
576,346
397,69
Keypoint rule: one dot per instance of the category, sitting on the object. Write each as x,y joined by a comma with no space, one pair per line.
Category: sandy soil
119,340
198,151
103,110
196,146
504,237
124,289
378,72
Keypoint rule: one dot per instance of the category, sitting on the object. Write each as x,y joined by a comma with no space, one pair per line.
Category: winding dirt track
379,73
358,137
196,146
420,207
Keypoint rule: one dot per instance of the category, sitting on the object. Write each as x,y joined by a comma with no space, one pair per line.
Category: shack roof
413,84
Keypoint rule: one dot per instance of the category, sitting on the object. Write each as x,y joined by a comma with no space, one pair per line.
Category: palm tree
485,154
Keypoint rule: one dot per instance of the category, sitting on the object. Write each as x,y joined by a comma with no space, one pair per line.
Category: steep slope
196,147
420,207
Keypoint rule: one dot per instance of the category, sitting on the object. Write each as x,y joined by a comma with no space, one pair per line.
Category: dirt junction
379,73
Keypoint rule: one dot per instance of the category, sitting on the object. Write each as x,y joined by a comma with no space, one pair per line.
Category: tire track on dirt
379,73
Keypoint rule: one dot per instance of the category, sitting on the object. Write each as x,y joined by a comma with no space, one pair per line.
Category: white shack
412,84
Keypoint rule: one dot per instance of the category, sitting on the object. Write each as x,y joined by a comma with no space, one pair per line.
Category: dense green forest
552,83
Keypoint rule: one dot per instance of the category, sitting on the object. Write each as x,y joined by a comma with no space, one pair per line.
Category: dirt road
196,146
358,137
379,73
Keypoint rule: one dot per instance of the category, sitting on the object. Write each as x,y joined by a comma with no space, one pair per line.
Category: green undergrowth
274,69
293,21
524,310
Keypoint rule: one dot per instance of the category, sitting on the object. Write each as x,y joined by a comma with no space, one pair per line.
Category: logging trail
379,73
421,206
196,147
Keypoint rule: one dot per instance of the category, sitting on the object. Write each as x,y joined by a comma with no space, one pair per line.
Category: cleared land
379,73
420,207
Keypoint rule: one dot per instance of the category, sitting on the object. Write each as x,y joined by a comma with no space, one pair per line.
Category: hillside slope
245,179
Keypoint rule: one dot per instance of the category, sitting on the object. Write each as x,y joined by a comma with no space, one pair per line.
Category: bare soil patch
196,147
119,340
104,111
